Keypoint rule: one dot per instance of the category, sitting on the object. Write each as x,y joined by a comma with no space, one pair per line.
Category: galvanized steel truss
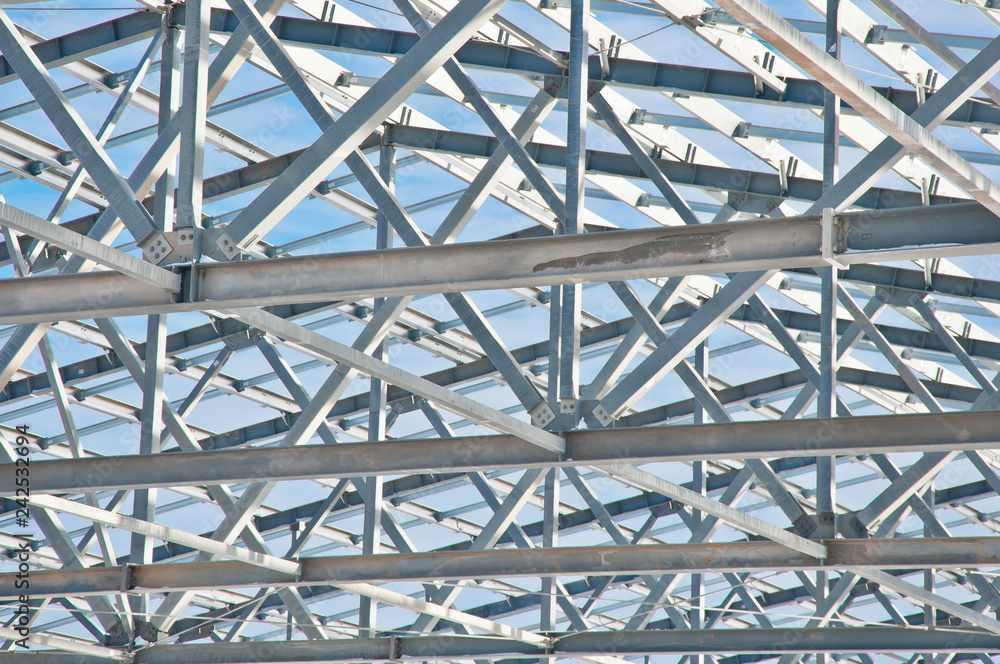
688,388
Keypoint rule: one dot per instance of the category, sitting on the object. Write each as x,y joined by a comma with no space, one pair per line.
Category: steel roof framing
641,378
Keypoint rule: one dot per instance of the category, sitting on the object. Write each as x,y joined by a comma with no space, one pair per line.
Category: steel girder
529,480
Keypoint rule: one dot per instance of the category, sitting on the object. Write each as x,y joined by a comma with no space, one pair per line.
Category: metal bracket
117,636
742,130
553,86
54,253
708,17
602,53
36,167
742,201
128,578
155,248
542,414
147,631
186,244
395,648
244,339
877,34
172,247
345,80
851,527
830,238
805,525
827,525
666,508
115,79
603,416
227,246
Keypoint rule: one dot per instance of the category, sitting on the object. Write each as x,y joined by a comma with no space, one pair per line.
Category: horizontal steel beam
737,440
713,178
481,54
702,176
88,248
899,234
915,553
102,366
368,40
649,642
89,41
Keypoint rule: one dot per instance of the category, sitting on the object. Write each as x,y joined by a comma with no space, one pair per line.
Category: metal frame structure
464,330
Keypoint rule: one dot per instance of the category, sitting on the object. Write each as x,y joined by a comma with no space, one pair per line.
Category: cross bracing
675,339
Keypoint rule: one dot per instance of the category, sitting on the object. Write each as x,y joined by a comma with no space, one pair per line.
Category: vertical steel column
151,425
150,430
550,539
163,199
376,412
555,343
930,615
698,485
576,140
827,406
193,113
826,482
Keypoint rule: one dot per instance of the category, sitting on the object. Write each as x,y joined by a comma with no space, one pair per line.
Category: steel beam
861,554
703,176
85,247
735,246
751,641
629,73
193,113
372,40
858,435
